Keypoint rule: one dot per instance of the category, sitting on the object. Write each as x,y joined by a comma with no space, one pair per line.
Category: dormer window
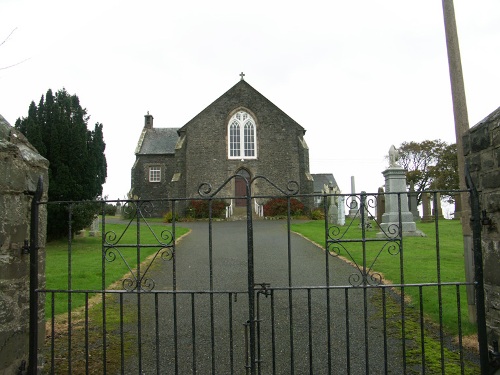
242,140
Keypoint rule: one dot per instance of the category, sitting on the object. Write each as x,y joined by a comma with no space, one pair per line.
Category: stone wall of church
482,153
20,170
143,189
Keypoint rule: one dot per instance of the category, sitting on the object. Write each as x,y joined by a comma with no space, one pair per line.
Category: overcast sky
359,76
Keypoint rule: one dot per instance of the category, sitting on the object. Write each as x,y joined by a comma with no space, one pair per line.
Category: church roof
157,141
322,179
242,92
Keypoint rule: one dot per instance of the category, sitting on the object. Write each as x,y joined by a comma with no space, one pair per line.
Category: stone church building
240,133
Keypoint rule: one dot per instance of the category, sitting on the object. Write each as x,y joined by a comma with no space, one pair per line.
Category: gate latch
262,288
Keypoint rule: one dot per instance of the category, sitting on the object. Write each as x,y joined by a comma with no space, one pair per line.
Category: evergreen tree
58,128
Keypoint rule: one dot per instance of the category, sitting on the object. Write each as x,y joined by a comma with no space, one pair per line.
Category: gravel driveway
195,331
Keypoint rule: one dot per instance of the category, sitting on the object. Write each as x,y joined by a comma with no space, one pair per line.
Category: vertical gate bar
251,280
174,288
290,294
122,338
70,282
384,323
211,270
33,292
231,337
363,211
402,280
439,286
87,332
193,331
174,280
257,333
422,331
347,329
478,275
52,333
157,334
459,321
273,333
103,297
138,288
327,283
309,315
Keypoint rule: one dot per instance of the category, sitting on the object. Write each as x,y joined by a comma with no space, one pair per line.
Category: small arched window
242,140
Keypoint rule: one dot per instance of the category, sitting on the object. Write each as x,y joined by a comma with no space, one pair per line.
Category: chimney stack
148,121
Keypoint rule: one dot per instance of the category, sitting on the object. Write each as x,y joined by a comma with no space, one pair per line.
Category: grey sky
358,75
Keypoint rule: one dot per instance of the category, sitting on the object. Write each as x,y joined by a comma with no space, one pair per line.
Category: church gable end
240,130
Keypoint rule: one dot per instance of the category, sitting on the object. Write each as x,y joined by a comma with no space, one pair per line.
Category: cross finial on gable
242,75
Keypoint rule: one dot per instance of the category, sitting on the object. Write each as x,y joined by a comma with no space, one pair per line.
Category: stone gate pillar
20,168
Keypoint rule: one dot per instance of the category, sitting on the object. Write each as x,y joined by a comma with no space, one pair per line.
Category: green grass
86,261
419,260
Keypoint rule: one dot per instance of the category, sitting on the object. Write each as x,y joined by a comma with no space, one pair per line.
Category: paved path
293,325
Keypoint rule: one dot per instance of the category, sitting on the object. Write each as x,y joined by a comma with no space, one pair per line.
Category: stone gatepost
482,155
20,168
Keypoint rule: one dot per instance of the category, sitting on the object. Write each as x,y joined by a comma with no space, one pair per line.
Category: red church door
240,189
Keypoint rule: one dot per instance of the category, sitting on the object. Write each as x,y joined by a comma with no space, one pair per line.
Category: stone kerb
20,169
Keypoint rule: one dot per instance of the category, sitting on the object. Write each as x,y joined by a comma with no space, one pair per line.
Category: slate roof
322,179
158,141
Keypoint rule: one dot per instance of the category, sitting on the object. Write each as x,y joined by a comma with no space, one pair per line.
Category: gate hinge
262,288
25,249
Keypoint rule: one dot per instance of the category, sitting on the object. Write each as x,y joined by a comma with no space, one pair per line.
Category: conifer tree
58,128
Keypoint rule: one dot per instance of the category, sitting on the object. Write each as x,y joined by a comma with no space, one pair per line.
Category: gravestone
333,212
426,208
380,204
412,202
94,228
437,206
395,182
341,210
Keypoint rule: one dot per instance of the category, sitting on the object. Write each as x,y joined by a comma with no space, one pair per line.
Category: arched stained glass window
242,141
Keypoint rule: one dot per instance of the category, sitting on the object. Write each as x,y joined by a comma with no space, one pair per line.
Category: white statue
393,157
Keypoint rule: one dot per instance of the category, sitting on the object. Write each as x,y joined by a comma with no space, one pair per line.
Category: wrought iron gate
250,296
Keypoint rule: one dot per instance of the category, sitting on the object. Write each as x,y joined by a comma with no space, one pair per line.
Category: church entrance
240,189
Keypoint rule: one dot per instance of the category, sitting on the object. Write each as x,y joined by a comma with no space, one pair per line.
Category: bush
110,209
317,214
168,217
199,209
279,207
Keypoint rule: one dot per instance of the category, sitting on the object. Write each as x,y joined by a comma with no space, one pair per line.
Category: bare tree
2,43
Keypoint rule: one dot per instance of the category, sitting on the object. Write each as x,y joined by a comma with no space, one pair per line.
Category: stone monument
395,182
353,204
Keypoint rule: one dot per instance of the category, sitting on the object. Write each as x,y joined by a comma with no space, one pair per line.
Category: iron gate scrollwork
305,308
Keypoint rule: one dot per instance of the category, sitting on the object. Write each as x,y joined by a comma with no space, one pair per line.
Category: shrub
199,208
110,209
279,207
317,214
168,217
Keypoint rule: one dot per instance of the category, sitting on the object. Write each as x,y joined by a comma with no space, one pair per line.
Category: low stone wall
482,154
20,168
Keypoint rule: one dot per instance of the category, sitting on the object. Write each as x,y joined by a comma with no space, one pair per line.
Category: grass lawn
85,261
419,258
